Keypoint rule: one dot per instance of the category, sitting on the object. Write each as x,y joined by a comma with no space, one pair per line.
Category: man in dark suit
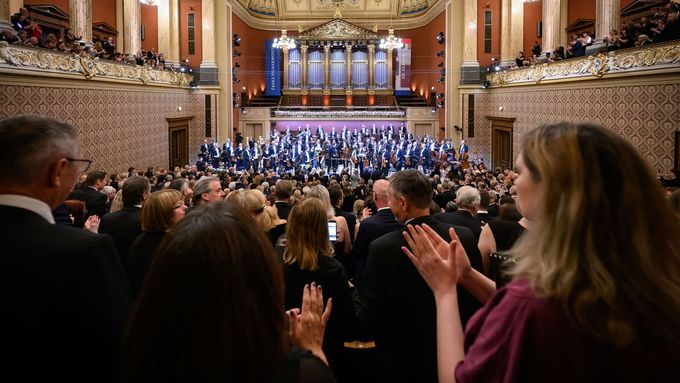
65,299
398,307
89,192
493,208
125,225
467,200
337,197
372,228
446,195
483,214
284,190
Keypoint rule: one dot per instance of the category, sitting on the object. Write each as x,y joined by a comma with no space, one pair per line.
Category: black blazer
140,257
95,202
124,226
462,218
398,307
65,301
370,229
283,209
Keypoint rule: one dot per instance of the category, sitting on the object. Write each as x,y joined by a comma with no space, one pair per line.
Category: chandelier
284,41
148,2
391,42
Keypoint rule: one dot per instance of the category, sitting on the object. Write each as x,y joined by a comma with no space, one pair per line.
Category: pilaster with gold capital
390,76
303,58
5,15
285,67
348,64
608,17
326,66
371,66
132,22
80,18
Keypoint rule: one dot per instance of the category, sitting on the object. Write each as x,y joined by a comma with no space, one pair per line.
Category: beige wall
120,127
645,111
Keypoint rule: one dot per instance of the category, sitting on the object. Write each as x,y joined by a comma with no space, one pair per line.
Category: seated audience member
308,258
588,276
398,309
520,59
124,225
65,300
161,211
211,309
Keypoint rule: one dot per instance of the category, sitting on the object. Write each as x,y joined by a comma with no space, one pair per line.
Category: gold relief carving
42,60
599,65
335,30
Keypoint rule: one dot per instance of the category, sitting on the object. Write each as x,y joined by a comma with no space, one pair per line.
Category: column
564,23
512,30
455,32
208,74
390,75
80,12
507,56
371,66
326,66
608,17
132,21
6,13
303,58
551,24
172,56
470,67
285,68
224,60
348,64
120,41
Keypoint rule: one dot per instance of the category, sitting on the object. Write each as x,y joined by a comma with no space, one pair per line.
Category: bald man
373,227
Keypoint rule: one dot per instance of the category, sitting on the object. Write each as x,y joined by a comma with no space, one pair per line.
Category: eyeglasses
85,163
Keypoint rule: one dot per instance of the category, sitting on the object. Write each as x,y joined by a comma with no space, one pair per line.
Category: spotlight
193,84
186,61
443,72
441,80
440,95
440,38
486,84
235,95
235,104
434,109
440,104
237,53
440,54
244,110
441,64
237,40
237,65
182,69
497,68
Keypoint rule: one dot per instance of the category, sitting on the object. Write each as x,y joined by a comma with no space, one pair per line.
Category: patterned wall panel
647,115
118,128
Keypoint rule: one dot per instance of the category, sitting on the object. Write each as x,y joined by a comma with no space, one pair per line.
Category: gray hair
320,192
108,189
467,197
30,144
202,186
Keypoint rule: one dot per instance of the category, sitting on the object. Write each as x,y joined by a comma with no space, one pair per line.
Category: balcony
15,59
652,59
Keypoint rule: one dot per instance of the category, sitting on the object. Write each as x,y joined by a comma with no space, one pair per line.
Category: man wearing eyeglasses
89,191
65,298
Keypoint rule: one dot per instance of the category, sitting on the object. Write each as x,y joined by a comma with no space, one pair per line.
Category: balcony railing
14,57
645,60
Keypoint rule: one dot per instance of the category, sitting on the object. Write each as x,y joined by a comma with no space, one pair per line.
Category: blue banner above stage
272,64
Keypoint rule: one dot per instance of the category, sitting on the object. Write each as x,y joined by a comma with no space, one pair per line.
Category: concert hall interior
169,74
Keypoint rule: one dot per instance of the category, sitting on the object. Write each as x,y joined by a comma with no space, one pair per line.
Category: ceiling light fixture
391,42
284,41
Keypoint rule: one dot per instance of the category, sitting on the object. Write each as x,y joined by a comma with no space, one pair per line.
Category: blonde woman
596,289
256,203
160,212
343,245
308,260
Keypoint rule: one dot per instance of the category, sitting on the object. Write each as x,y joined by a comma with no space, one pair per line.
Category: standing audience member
589,276
207,189
161,211
467,201
65,300
308,258
211,309
337,196
343,245
406,342
89,192
283,192
125,225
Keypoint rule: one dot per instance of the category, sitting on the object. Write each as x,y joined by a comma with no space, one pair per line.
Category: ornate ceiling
303,14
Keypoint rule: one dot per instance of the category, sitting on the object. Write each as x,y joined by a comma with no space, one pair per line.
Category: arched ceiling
298,14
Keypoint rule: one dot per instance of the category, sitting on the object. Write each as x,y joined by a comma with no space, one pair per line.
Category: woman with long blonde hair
596,289
308,260
343,244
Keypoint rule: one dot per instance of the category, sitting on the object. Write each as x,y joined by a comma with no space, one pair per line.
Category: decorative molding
630,61
39,60
639,6
395,113
337,29
380,19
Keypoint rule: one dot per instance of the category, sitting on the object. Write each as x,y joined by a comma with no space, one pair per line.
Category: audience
212,309
589,275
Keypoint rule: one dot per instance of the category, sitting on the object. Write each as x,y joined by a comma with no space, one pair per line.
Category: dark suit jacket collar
424,219
464,213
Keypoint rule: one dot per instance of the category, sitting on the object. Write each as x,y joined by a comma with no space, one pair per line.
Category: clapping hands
306,328
92,224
